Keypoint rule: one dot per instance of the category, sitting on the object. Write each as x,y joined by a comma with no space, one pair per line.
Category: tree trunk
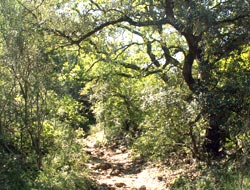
213,136
212,141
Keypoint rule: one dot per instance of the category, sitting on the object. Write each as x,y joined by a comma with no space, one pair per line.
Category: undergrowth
219,176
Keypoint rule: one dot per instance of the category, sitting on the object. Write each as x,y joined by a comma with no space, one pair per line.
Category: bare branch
124,48
131,66
151,55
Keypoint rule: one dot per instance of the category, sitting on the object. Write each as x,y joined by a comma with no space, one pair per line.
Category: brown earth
112,168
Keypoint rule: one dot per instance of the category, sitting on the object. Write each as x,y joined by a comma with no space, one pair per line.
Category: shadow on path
113,168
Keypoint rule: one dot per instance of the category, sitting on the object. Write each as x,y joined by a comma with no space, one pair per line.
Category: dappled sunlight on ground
113,168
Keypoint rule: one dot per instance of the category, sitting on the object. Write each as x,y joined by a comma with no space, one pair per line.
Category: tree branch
151,55
131,66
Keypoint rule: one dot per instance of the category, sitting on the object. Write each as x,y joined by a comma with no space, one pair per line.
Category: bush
166,125
63,168
225,177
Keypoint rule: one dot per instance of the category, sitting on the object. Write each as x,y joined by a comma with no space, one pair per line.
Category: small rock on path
114,169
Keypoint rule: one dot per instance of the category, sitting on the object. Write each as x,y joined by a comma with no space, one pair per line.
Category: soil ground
112,168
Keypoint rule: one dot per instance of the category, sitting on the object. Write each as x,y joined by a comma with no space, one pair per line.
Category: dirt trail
112,168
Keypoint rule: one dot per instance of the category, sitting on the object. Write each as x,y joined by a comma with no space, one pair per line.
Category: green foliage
115,101
38,141
63,167
13,174
68,112
215,177
167,122
130,60
228,98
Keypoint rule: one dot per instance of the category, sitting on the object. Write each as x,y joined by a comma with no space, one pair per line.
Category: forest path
113,168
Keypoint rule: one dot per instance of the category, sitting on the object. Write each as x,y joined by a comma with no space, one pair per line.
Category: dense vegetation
165,77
